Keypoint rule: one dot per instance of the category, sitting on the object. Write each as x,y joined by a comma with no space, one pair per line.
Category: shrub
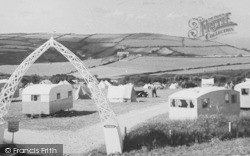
61,77
188,132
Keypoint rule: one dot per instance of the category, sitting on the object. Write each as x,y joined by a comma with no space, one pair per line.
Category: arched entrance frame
107,115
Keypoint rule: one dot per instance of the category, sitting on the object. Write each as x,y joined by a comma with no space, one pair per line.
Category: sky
168,17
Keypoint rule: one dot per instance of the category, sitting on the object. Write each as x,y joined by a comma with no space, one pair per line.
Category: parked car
141,93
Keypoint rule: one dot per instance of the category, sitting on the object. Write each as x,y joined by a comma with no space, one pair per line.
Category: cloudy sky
118,16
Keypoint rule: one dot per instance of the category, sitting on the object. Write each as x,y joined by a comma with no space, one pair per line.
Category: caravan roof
243,84
193,93
3,80
41,89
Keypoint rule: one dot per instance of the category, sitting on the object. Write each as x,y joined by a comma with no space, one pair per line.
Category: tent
207,82
107,83
45,82
102,85
75,81
122,93
147,86
82,92
28,84
173,86
64,82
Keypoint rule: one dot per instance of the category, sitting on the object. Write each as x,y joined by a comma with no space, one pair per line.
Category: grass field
159,64
106,45
140,65
55,68
84,113
170,63
213,148
210,69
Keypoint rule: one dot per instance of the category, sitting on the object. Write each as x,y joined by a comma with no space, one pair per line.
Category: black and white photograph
125,77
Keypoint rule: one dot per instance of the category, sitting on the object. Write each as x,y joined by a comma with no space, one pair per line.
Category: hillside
16,47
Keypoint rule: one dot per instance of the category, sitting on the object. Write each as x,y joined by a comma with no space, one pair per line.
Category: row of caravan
48,98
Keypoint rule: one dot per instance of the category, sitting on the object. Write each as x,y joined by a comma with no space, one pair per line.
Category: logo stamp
7,150
35,149
212,27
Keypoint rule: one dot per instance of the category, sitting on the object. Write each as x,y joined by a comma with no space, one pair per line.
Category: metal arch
106,114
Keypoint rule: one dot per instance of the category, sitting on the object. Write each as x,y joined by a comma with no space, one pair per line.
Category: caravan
46,98
244,88
190,103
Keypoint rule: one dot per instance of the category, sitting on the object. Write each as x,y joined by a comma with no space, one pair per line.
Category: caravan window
244,91
35,97
234,98
69,93
205,103
172,103
191,104
182,103
58,95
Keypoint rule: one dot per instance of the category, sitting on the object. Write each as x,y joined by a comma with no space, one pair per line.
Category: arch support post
113,139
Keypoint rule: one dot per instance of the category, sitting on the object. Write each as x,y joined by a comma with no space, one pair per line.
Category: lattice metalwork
106,113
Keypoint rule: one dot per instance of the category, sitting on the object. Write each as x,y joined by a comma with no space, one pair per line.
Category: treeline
35,79
222,77
191,79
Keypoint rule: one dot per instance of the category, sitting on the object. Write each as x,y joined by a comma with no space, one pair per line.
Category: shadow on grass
63,114
72,113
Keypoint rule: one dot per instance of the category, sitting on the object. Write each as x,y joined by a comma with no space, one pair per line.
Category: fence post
229,126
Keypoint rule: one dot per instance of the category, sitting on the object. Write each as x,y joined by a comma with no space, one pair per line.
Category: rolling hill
16,47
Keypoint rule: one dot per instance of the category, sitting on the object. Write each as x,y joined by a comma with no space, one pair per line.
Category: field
107,45
55,68
210,69
139,65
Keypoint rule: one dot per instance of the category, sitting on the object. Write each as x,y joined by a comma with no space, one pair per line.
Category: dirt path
84,139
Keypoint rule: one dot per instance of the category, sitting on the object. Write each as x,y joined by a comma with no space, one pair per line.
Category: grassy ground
83,114
238,146
213,148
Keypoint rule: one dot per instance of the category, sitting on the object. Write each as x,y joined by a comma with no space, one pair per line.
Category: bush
61,77
31,79
188,132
